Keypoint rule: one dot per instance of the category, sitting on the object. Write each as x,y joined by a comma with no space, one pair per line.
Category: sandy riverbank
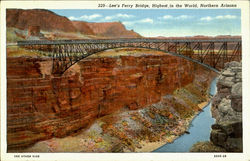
150,146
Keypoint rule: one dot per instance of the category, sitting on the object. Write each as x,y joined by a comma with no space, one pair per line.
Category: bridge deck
98,41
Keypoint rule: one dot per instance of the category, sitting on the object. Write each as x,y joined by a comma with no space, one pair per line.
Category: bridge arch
170,53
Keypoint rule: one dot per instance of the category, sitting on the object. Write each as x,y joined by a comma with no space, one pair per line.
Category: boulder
236,69
236,94
234,145
238,75
218,137
236,91
226,81
206,147
233,64
224,106
236,104
228,73
227,134
232,128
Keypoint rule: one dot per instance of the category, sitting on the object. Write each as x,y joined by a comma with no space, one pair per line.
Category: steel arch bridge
210,53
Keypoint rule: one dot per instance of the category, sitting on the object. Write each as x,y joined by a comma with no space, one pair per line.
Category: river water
199,130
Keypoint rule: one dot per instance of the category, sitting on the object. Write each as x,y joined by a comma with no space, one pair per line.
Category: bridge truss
211,53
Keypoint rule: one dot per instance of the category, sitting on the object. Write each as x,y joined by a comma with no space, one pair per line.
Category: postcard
124,80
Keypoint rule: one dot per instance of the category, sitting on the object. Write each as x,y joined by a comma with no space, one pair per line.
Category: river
199,130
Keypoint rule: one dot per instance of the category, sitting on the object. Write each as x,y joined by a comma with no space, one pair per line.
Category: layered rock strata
41,106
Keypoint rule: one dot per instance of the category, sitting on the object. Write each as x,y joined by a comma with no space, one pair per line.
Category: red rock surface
112,29
83,27
34,31
40,106
46,19
49,21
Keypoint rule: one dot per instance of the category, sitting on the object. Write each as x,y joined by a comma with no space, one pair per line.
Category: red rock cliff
47,20
112,29
83,27
40,106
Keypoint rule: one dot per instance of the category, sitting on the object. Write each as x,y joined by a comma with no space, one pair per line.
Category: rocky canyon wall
227,109
41,106
226,134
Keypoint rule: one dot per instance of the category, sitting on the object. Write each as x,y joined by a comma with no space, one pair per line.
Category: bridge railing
98,41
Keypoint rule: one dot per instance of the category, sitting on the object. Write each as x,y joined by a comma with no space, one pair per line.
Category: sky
164,22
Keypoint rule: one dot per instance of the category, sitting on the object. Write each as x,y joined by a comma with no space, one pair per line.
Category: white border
243,5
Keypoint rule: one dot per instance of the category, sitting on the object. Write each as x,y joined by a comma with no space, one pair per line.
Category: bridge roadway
211,53
100,41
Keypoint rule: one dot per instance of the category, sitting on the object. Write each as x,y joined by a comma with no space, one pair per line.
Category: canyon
118,100
41,106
